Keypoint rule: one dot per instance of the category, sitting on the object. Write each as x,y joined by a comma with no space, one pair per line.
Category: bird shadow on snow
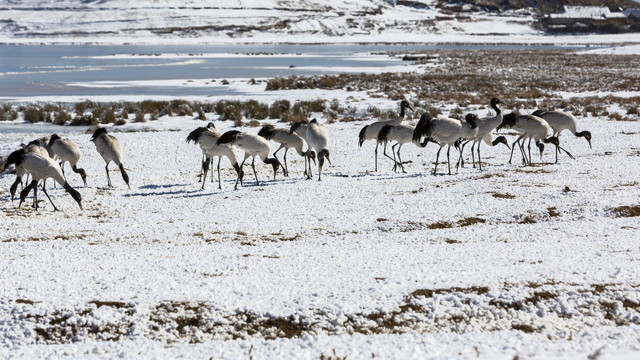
161,193
379,176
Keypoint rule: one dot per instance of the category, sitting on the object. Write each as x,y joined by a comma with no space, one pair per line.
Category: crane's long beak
589,141
329,159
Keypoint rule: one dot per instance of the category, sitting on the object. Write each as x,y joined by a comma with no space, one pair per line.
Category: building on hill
587,15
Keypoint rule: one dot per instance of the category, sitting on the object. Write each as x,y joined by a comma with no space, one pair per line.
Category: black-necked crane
287,140
318,139
560,121
204,156
401,134
41,168
67,151
300,128
371,131
486,125
444,131
111,150
529,127
38,147
253,146
207,137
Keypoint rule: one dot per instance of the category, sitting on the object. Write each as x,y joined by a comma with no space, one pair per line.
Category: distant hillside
545,6
274,21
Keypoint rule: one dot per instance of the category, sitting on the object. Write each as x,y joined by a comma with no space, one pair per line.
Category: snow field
524,251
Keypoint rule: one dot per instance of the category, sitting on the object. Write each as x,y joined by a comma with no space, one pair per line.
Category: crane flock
38,158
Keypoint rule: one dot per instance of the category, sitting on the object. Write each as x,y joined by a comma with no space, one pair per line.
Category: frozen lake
56,70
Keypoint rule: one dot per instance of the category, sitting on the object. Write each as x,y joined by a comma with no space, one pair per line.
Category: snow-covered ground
511,260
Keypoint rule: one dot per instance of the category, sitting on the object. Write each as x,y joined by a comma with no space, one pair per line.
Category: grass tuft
627,211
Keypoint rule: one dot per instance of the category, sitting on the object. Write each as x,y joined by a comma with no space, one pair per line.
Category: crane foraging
560,121
207,137
253,146
41,168
67,151
445,131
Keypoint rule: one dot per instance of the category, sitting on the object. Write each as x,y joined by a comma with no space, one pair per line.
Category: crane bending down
67,151
318,139
287,140
371,131
560,121
207,137
253,146
300,128
111,150
41,168
34,147
529,127
444,131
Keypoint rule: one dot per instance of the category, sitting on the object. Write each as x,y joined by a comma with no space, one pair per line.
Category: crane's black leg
108,177
479,161
51,201
219,181
400,159
448,162
435,168
240,173
384,152
285,167
395,162
376,155
513,147
253,166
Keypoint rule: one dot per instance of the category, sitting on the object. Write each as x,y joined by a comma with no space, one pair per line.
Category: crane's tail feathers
229,137
266,131
507,121
295,126
423,128
195,134
361,138
383,135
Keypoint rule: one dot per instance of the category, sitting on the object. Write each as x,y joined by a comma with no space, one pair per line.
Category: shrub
61,117
201,114
108,116
184,110
255,110
140,117
125,114
279,107
84,120
33,113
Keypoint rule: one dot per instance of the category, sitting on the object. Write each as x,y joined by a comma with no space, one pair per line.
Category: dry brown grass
627,211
